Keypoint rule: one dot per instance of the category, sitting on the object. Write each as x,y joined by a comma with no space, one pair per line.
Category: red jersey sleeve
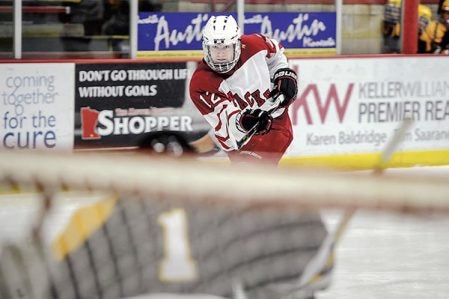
216,107
204,90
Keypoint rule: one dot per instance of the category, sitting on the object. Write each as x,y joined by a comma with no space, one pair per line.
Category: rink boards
347,108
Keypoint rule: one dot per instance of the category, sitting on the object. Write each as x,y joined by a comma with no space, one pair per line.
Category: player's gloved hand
250,118
285,83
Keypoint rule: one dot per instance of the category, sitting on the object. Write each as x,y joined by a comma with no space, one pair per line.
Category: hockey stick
273,107
320,265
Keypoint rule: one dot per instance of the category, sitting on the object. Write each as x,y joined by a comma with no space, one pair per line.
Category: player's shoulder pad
254,43
204,78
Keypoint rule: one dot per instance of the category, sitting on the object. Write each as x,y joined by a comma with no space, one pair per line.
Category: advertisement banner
178,35
348,106
36,106
117,104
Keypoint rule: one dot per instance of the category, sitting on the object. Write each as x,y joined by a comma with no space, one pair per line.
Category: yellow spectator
435,37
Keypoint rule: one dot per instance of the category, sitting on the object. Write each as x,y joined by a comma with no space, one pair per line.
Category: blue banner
182,31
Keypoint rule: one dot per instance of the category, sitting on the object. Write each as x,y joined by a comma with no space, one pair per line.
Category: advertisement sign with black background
117,104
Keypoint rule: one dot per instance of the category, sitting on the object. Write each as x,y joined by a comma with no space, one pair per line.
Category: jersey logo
250,99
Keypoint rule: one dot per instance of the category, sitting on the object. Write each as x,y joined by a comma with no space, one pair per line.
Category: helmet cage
221,31
222,67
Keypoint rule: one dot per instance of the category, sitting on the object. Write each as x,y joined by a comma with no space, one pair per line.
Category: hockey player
242,86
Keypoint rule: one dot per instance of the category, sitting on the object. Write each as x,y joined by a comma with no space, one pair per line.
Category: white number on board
177,264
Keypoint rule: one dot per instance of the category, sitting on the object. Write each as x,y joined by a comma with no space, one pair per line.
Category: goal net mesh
120,225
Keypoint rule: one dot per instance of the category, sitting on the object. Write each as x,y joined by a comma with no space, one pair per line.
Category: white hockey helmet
221,43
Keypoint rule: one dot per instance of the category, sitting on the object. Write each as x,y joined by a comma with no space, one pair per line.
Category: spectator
117,21
391,27
117,15
435,37
90,13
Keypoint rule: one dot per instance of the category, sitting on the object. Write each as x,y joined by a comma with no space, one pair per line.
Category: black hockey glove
257,117
285,83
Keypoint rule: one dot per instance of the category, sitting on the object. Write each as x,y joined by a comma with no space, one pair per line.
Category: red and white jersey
220,98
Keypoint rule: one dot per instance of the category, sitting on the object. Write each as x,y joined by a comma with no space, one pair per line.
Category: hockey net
119,225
